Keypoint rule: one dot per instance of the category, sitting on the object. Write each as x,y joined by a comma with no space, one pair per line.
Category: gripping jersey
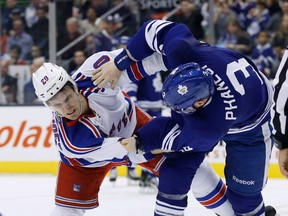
240,103
85,142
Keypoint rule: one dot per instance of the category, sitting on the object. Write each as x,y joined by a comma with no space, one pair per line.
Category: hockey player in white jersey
87,124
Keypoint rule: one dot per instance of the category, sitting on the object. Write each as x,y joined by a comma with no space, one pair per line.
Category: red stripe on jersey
73,161
92,127
119,163
216,198
80,78
69,144
136,71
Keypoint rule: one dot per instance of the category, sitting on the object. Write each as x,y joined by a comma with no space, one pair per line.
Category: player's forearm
160,133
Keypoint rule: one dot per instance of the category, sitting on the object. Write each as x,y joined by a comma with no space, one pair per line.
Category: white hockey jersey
92,140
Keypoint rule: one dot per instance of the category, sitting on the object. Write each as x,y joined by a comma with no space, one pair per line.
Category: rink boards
26,144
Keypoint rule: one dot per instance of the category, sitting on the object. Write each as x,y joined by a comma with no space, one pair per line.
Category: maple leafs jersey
241,102
88,140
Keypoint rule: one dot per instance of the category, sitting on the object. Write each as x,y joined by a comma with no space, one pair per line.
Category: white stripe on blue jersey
151,32
170,137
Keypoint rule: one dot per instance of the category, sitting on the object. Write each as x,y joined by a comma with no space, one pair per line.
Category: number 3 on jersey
241,66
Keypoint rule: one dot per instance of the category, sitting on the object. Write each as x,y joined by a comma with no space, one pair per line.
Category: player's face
194,107
200,103
67,103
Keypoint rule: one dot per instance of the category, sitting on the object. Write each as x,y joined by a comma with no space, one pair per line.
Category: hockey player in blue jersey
215,94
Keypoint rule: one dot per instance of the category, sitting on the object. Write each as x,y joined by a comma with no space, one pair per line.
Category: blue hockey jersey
242,99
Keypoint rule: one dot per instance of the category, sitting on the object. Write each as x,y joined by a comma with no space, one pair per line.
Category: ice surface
32,195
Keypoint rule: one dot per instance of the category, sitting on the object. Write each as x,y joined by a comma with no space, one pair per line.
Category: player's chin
73,116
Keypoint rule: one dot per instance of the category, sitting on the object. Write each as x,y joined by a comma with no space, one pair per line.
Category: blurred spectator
88,24
8,83
30,13
236,38
241,9
63,12
14,56
17,14
40,30
257,18
72,33
100,6
222,15
90,45
29,91
126,19
190,14
280,40
263,55
78,59
6,15
106,38
273,7
275,12
20,38
35,53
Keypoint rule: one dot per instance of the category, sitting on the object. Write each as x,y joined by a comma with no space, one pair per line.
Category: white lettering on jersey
225,93
186,148
243,182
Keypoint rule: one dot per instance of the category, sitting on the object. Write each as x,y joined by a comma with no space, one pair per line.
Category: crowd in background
256,28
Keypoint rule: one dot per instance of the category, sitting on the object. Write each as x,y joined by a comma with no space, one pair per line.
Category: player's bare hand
129,144
108,72
283,162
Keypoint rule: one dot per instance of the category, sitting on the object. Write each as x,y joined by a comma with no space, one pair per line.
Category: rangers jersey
87,141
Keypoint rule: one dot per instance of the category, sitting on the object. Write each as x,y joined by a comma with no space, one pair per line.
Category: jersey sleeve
145,67
179,135
280,107
152,138
171,40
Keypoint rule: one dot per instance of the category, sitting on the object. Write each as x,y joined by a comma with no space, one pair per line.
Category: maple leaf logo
182,89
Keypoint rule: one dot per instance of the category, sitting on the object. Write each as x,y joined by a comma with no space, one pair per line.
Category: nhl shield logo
182,89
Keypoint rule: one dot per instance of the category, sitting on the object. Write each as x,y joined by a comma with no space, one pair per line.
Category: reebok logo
243,182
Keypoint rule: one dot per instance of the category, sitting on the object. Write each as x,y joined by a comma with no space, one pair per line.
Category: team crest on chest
182,89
